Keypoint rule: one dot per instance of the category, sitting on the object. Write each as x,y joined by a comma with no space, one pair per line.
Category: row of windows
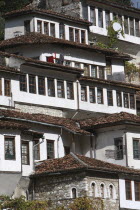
128,99
129,24
42,86
94,190
128,189
75,34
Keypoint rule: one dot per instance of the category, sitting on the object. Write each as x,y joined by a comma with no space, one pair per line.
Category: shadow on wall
117,77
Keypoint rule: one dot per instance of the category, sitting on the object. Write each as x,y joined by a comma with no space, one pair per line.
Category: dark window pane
86,70
39,26
132,102
137,28
36,150
119,149
50,149
60,89
92,95
83,93
27,26
23,83
52,29
126,100
119,99
9,145
110,97
7,87
51,88
70,94
107,18
128,190
126,25
93,16
41,85
137,191
100,18
62,31
93,71
73,193
32,84
101,72
46,28
67,150
71,34
136,149
77,35
25,153
99,96
83,37
131,26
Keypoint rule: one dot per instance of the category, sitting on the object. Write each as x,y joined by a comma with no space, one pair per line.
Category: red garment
50,59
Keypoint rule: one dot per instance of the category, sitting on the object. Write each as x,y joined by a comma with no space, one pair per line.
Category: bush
81,204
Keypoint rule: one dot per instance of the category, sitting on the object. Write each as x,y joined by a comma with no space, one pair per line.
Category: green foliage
7,6
131,70
81,204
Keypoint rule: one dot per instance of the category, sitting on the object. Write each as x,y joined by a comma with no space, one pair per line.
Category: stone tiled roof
37,38
13,125
8,69
68,124
111,119
30,9
111,82
74,162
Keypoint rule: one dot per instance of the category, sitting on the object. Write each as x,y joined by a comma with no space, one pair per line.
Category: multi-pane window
51,87
118,148
126,28
77,35
93,71
41,85
86,70
71,34
110,98
27,26
108,68
83,37
132,101
9,145
52,29
46,28
39,26
62,31
25,152
92,95
70,93
120,19
83,93
50,149
107,18
77,65
100,18
137,28
23,83
126,100
7,87
67,150
131,26
119,99
128,190
137,190
99,96
36,149
32,84
67,63
60,89
93,16
136,149
101,72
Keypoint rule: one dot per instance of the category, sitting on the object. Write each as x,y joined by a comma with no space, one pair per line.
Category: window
77,36
137,28
67,150
77,65
126,100
62,31
136,149
110,97
92,95
100,18
102,190
99,96
60,89
23,83
27,26
118,148
108,68
93,16
126,25
128,190
0,86
111,191
7,87
137,191
51,87
52,29
41,85
131,26
101,72
107,18
39,26
9,145
93,189
70,94
36,149
86,70
132,101
71,34
25,152
93,71
67,63
83,93
32,84
119,99
74,193
50,149
83,37
46,28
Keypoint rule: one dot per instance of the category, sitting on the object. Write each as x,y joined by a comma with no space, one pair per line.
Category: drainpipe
126,152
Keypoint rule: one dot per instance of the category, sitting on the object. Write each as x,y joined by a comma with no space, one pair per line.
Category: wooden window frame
41,86
91,95
93,17
28,152
7,90
100,18
127,107
62,90
128,181
32,85
52,142
85,93
119,148
54,32
39,21
71,34
48,31
77,37
120,94
110,99
71,91
51,87
136,156
132,103
102,96
137,183
83,38
95,71
62,32
101,69
23,83
137,29
132,32
14,149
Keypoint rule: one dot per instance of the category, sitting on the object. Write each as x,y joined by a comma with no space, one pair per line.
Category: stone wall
58,189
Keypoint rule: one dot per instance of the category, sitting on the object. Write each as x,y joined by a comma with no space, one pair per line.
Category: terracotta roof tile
13,125
37,38
8,69
73,162
111,119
